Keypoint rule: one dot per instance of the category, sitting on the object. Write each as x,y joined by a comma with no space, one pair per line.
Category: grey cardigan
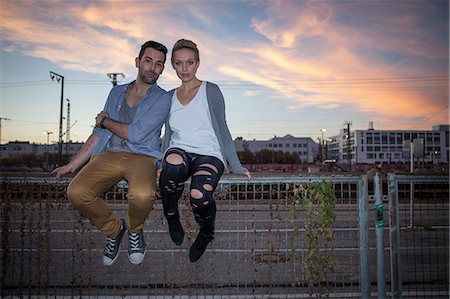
216,105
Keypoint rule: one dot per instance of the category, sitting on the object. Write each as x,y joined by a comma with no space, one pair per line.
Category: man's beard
147,80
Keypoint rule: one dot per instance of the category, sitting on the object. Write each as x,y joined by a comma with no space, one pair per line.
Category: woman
197,145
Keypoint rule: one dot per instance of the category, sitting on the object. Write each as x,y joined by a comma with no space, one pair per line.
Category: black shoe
112,247
199,246
175,229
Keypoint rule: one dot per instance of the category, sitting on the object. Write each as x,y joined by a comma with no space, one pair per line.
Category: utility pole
68,127
2,118
58,77
349,146
113,77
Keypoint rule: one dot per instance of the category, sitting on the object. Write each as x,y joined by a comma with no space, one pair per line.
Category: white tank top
192,127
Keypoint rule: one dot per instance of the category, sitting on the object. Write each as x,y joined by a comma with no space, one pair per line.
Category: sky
284,67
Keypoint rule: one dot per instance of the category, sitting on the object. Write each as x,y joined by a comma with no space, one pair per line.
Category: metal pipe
363,238
379,224
394,236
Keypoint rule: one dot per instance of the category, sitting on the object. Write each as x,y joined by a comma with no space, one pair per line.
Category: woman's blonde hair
186,44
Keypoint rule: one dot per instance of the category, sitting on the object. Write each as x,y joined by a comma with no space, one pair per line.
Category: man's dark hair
154,45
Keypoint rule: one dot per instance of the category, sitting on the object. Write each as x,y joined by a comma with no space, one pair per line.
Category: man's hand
100,117
62,171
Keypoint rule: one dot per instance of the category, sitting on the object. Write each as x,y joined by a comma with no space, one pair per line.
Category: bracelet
102,122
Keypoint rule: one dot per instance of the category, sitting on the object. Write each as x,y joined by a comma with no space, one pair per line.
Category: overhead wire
239,84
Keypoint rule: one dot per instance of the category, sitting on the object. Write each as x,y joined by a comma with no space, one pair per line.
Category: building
389,146
17,148
307,149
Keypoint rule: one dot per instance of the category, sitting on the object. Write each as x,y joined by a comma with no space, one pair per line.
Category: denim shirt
145,130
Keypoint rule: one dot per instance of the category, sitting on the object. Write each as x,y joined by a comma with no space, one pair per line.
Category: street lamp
58,78
323,144
323,133
48,133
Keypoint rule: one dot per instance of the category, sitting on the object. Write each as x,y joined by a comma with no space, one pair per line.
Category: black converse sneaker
136,247
198,248
112,247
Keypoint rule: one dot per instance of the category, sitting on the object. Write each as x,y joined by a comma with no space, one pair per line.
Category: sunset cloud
385,60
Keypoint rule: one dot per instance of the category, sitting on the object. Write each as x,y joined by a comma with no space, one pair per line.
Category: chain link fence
49,250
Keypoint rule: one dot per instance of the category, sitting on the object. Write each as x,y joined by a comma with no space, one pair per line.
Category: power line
42,83
431,116
243,83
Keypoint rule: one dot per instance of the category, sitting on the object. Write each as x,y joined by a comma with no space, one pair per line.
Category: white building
307,149
389,146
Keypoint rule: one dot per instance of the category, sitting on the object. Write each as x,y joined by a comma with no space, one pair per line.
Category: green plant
316,202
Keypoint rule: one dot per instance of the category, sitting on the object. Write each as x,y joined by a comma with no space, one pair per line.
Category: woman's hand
248,174
100,117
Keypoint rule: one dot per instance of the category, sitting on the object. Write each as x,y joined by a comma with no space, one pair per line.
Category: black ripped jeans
204,171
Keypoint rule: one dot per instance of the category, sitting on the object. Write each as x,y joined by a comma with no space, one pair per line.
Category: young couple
125,145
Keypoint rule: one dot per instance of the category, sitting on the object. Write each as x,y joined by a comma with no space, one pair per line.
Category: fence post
364,268
394,237
379,224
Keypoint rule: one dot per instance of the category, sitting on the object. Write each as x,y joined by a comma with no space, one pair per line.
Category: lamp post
48,155
58,78
2,118
48,133
323,143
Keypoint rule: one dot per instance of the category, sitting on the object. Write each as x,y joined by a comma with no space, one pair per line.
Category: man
123,145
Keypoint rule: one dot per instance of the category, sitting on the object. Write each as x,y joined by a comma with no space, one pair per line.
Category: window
392,138
294,145
437,138
376,139
288,145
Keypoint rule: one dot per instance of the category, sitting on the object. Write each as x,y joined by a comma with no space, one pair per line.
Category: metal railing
49,250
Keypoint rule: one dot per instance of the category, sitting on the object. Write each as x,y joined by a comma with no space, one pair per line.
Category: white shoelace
110,246
134,242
